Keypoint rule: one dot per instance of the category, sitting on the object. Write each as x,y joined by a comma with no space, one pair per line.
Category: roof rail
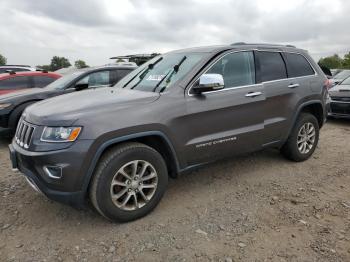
11,72
19,65
262,44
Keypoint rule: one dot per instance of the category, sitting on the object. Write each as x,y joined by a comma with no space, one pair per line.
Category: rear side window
41,81
272,66
19,82
237,69
297,65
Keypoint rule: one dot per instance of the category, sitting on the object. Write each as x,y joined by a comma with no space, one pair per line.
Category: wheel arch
155,139
313,107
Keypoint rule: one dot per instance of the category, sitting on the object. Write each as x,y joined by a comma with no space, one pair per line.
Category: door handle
253,94
293,85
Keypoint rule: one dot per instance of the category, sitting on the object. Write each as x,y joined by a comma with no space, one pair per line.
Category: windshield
342,75
160,72
62,82
346,81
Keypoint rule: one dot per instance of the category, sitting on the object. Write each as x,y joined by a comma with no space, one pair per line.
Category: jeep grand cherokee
117,146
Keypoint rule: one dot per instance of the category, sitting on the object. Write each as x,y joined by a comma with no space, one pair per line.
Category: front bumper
339,109
68,188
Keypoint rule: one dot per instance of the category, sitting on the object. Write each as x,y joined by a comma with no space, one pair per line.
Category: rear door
229,121
284,84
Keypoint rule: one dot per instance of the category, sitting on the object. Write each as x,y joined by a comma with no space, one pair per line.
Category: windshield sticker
155,77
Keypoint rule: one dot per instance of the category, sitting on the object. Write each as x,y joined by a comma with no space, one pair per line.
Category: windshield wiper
170,74
142,73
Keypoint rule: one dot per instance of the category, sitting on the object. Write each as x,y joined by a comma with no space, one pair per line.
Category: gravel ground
258,207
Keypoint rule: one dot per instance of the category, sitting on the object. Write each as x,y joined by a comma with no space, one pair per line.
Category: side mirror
81,86
209,82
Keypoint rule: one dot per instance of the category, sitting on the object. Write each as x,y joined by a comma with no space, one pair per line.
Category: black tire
109,164
15,116
290,148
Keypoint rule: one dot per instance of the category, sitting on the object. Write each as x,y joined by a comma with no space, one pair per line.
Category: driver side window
96,79
237,69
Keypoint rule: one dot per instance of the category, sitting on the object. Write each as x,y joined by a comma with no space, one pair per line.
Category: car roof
109,66
28,73
239,46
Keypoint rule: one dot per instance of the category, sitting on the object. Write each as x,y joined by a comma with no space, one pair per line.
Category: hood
21,93
340,90
64,110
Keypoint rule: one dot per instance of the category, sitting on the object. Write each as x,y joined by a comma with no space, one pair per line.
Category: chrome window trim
259,84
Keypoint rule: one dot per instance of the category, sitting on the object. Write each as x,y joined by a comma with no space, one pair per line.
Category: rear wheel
129,182
303,139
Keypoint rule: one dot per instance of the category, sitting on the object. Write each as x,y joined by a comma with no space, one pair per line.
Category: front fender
104,145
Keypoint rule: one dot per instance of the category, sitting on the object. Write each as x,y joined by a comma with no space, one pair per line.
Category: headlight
3,106
60,134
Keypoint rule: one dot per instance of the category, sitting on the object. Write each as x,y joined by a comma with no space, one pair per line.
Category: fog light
54,172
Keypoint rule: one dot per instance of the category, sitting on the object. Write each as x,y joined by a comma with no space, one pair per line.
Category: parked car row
12,105
116,147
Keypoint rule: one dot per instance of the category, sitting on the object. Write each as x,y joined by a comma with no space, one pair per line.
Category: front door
228,121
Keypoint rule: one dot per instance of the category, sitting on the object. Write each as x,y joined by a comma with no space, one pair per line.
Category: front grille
24,134
341,99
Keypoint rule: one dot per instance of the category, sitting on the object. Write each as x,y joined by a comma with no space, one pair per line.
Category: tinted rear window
272,66
297,65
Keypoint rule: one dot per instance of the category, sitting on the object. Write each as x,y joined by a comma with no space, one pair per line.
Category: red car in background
16,81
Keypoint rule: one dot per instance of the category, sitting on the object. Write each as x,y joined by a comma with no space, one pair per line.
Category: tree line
57,62
335,62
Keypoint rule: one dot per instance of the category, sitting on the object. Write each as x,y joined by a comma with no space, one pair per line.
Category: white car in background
15,68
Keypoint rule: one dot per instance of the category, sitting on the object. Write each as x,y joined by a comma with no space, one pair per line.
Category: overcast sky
31,32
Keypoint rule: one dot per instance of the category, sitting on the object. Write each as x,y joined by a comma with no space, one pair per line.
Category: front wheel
129,182
303,139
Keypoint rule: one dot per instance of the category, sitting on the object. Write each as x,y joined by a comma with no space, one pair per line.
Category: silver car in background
340,99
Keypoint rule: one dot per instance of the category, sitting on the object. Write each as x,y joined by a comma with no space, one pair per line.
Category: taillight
327,84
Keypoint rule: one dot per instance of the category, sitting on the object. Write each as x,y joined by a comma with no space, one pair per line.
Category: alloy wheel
134,185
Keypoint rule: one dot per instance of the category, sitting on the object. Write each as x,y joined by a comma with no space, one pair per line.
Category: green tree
3,60
80,64
58,63
346,61
331,62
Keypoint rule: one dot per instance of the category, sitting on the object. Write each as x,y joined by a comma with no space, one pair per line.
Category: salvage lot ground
259,207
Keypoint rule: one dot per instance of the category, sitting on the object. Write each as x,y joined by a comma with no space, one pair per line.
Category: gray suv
117,146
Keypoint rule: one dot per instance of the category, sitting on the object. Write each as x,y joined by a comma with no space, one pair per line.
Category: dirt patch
259,207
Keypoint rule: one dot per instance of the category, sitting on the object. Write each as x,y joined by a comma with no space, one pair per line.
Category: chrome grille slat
19,130
24,134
